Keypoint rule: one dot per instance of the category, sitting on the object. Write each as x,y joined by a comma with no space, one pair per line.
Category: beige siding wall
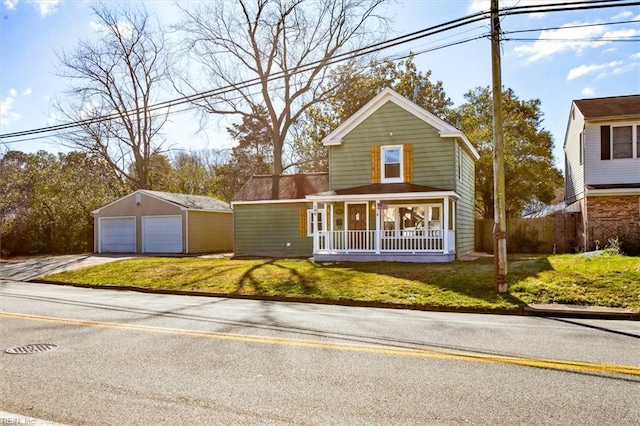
149,206
210,232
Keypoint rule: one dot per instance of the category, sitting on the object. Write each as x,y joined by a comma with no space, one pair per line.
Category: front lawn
605,280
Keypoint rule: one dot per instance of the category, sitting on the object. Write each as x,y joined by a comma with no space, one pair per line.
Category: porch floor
383,257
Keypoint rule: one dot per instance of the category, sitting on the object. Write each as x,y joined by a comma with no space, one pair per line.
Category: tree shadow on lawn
294,282
469,278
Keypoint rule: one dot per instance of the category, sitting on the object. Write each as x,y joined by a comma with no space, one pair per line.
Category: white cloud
588,91
571,38
622,15
124,28
625,69
11,4
6,115
621,34
635,56
590,69
485,5
13,93
46,7
27,92
566,39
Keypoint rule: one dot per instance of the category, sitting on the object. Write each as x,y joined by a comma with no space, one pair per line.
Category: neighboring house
602,170
163,222
400,187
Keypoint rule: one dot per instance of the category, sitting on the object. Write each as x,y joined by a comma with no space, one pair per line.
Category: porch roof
387,191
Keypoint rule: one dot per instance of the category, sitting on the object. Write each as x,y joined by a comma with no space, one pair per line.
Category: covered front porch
407,226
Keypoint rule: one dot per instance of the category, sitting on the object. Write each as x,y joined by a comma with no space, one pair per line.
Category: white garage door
162,234
117,235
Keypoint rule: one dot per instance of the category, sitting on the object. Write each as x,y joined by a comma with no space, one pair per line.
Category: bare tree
285,46
118,77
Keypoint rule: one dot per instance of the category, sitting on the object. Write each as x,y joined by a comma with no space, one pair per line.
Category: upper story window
391,163
622,141
619,141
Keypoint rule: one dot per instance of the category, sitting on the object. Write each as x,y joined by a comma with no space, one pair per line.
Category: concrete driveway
31,268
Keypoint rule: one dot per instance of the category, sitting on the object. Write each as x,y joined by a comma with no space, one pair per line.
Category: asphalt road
134,358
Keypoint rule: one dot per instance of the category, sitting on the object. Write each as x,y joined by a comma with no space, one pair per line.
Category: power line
373,48
531,30
632,39
376,47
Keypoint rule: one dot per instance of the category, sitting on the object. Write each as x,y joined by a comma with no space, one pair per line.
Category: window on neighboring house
581,147
391,163
622,141
321,221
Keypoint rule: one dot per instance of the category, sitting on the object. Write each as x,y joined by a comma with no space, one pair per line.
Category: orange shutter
407,150
302,222
375,164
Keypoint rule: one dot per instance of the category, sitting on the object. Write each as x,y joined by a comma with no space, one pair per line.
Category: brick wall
611,217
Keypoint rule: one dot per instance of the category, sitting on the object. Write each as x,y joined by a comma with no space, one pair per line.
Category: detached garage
163,222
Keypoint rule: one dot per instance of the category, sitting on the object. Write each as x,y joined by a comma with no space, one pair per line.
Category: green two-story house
400,187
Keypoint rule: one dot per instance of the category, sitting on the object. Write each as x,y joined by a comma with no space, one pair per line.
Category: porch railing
389,241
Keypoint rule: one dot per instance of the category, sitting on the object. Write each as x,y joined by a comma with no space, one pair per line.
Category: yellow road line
553,364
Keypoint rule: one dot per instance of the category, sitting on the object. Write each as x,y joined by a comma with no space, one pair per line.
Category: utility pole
500,215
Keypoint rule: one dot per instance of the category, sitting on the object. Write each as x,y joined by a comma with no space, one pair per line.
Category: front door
357,226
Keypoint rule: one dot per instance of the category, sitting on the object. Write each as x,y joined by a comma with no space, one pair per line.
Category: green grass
606,280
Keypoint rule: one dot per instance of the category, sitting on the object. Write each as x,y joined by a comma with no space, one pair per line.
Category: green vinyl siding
265,230
433,156
465,214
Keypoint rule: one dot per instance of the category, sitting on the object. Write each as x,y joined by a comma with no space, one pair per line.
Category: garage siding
210,232
127,206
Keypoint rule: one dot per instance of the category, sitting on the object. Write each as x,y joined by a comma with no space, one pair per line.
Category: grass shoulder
605,280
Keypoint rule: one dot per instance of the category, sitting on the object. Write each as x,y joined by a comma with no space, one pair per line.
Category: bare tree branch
236,42
122,74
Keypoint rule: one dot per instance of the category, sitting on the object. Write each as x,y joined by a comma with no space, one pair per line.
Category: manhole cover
31,349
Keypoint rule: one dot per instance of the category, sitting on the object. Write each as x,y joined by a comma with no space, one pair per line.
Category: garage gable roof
190,202
185,201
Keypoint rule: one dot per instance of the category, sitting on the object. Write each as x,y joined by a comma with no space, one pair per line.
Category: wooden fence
551,234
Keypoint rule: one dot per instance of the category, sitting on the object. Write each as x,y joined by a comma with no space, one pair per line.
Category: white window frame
581,147
634,140
323,214
426,207
383,177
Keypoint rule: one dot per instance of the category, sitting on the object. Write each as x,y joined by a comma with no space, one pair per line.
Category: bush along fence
550,234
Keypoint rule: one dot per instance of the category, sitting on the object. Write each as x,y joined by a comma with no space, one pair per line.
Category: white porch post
445,231
378,232
314,218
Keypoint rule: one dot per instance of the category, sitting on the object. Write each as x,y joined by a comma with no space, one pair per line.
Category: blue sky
555,66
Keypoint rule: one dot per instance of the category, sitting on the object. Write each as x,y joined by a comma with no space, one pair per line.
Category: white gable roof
445,129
